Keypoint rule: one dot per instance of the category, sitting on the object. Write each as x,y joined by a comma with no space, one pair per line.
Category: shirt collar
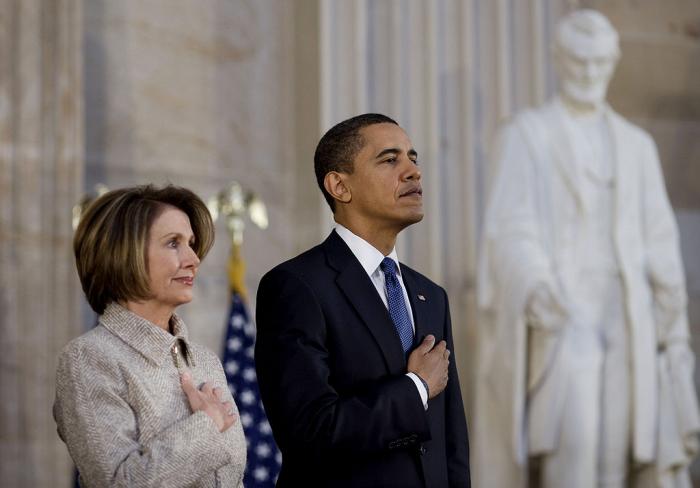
369,256
147,338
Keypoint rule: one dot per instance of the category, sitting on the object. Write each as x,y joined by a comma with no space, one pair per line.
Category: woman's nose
191,259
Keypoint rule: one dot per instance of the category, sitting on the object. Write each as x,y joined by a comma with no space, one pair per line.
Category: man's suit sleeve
294,376
456,436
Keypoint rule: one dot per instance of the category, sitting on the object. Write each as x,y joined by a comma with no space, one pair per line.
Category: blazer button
422,449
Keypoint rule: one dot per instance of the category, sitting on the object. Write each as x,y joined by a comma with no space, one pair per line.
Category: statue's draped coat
530,236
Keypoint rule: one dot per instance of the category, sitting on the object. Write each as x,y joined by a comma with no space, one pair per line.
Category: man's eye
391,160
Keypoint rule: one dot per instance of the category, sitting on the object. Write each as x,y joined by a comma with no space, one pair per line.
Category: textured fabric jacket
122,413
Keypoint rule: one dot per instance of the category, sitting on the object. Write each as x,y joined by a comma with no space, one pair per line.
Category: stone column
41,159
449,72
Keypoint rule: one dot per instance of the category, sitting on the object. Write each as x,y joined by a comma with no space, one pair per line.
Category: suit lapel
362,295
420,307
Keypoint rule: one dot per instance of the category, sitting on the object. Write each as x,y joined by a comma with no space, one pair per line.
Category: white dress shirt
370,258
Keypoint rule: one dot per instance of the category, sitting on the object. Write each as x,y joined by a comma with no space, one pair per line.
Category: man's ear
334,183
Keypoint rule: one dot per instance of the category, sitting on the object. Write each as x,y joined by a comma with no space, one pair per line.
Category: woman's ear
334,183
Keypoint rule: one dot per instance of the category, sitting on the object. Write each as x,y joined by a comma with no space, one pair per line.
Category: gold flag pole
233,204
85,201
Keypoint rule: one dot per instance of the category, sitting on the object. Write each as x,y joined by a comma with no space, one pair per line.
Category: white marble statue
585,374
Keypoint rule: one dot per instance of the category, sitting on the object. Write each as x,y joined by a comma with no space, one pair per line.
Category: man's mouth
411,192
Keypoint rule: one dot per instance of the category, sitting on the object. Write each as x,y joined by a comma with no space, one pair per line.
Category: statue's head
586,51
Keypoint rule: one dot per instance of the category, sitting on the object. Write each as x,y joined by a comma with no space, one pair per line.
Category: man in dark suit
352,349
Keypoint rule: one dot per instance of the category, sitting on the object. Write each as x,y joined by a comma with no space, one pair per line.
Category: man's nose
413,173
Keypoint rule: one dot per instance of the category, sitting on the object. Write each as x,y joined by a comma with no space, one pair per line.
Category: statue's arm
514,224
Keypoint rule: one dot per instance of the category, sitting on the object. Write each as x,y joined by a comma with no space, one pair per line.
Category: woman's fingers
190,391
219,394
210,401
206,389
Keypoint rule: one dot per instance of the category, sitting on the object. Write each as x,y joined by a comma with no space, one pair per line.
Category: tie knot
388,266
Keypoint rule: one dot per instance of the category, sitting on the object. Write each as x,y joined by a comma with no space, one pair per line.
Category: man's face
585,77
385,185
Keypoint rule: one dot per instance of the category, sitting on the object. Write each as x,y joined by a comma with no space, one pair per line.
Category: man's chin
414,218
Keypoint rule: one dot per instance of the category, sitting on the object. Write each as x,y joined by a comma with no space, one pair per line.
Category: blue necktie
397,304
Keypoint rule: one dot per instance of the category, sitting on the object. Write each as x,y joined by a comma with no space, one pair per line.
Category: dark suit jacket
332,377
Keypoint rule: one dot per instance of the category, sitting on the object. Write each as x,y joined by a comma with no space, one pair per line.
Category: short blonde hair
111,240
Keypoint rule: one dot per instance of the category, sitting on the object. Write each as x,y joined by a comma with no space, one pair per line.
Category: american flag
264,459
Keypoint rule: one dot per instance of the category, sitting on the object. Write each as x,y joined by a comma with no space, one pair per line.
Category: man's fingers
427,344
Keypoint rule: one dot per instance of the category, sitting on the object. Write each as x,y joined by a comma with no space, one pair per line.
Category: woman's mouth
186,280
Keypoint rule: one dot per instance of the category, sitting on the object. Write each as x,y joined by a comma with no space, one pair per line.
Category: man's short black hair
338,148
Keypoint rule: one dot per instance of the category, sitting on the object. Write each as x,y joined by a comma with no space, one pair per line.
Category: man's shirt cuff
421,389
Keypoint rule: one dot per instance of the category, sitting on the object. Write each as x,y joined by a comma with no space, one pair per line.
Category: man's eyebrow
395,150
389,150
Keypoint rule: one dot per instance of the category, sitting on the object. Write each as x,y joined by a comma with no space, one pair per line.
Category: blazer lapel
362,295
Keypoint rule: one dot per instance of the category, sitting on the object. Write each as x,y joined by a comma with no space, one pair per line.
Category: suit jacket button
422,450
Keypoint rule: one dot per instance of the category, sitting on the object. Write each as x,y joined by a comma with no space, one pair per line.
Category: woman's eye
172,243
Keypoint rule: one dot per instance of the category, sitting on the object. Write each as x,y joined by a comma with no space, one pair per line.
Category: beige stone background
657,86
200,92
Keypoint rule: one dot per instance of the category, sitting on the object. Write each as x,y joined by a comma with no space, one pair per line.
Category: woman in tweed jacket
126,402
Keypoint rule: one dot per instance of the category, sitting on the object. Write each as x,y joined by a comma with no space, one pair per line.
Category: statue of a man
585,373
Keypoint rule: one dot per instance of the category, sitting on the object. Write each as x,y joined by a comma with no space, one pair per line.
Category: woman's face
172,264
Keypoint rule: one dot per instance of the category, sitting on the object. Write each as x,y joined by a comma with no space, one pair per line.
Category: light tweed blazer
124,417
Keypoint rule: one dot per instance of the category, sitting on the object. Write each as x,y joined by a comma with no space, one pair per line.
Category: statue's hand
669,306
545,310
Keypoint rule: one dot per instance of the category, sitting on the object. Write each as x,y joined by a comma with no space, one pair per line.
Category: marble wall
656,86
41,167
197,94
449,71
